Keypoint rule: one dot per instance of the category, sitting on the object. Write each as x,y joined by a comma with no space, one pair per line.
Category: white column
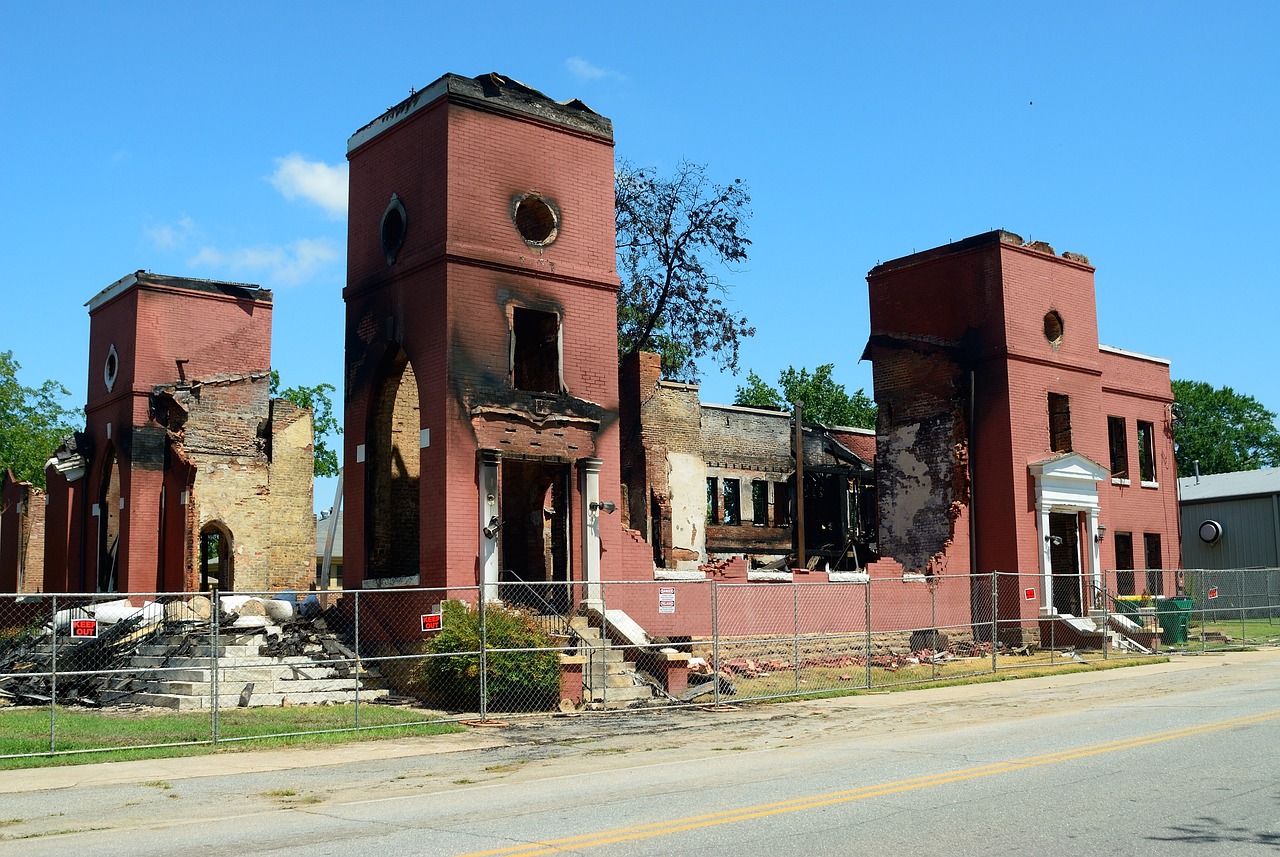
1046,566
591,531
488,514
1095,553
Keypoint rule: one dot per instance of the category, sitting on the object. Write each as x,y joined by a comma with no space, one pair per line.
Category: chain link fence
200,668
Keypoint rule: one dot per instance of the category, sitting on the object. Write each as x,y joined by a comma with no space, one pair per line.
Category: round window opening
110,368
536,220
393,229
1053,327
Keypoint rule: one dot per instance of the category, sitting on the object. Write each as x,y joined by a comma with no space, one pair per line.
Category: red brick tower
1000,411
481,345
117,517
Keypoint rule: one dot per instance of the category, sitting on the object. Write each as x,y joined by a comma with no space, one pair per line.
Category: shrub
514,680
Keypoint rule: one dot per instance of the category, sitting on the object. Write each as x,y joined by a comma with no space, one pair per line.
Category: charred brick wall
22,535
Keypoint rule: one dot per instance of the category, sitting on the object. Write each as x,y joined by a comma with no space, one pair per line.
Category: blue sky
209,140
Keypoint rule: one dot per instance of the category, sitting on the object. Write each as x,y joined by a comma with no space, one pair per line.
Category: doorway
1064,562
535,534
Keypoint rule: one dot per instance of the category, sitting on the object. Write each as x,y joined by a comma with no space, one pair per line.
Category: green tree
323,422
1222,429
33,421
675,237
825,401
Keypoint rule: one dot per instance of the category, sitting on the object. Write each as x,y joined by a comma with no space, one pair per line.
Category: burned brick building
707,482
481,400
188,474
491,436
1009,439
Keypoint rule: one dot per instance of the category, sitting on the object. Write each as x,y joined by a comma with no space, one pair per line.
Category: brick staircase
609,680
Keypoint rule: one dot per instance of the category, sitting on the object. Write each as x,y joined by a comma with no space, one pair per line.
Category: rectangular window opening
1155,579
1124,563
1059,422
713,500
759,502
781,504
1146,451
535,350
1118,439
732,502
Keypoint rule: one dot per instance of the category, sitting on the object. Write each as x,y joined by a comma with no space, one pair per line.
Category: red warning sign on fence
1029,593
432,621
84,627
1213,592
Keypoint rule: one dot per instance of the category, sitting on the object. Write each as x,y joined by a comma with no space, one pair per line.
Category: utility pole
799,453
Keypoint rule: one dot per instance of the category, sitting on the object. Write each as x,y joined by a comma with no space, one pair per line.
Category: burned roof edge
490,90
995,236
240,291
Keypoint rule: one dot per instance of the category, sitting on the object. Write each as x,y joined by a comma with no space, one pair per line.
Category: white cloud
276,265
313,181
167,236
584,70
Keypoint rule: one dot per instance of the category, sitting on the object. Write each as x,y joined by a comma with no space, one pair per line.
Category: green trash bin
1175,619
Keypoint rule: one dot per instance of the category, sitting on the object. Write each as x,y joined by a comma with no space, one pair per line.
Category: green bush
514,680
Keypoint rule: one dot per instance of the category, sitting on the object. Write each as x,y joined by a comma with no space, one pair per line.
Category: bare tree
675,237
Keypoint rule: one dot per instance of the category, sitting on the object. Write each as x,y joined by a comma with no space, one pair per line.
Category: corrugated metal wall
1251,528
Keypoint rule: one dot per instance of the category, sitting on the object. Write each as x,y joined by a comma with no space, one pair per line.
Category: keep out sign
84,628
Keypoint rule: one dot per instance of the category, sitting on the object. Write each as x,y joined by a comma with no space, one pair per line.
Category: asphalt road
1170,759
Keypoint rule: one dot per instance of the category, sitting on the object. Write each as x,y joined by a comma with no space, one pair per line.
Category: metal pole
1106,624
799,523
715,642
1244,635
933,623
604,648
995,619
795,629
214,610
1053,620
53,681
866,608
334,517
355,668
484,661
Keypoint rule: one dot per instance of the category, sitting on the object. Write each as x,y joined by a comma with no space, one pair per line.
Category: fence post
484,659
1106,624
715,643
214,611
53,681
934,583
795,630
995,622
1053,620
604,644
866,607
1244,634
355,668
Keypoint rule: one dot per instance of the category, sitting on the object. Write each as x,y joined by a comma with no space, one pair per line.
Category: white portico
1066,491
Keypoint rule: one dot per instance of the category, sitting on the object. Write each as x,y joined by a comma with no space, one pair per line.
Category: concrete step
278,685
272,673
182,702
622,695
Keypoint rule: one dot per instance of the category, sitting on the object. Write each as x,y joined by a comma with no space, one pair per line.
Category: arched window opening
394,471
109,525
217,558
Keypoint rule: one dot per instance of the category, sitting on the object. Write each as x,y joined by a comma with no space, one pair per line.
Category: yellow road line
746,813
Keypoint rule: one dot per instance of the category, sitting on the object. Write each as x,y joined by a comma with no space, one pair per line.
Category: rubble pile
143,652
890,661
